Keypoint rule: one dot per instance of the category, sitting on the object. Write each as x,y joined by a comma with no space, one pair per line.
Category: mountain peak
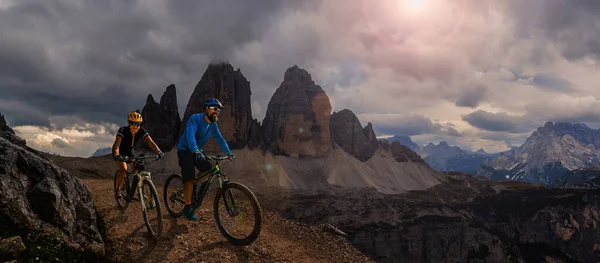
150,99
297,74
443,144
552,150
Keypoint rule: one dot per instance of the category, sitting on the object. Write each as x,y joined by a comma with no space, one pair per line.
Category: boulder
39,198
297,122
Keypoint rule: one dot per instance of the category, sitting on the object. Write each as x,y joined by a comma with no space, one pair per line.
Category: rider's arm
115,148
152,144
190,133
216,134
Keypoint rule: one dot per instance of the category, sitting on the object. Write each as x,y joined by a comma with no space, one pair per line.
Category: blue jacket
197,132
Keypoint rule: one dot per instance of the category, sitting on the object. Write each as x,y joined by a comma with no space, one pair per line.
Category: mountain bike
173,195
144,179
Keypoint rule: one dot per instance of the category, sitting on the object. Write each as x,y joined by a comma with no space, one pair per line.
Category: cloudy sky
475,73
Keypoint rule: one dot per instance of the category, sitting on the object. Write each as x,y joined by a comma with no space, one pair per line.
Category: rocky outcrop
8,133
254,135
39,199
468,219
162,120
371,137
233,90
347,132
4,127
297,122
407,141
403,154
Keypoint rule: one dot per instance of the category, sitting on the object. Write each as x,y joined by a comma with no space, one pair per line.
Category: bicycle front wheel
237,214
152,212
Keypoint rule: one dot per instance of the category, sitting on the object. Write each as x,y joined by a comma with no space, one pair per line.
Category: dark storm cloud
552,82
561,109
499,122
220,28
570,24
472,96
98,60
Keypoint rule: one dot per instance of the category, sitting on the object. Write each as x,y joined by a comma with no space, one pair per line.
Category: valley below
468,219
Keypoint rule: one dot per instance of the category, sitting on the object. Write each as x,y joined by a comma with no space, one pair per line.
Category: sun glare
412,7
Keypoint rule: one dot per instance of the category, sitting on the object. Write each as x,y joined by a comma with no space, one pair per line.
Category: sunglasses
135,123
215,108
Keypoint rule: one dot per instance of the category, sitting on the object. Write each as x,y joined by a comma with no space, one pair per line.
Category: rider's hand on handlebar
118,158
231,156
199,156
161,155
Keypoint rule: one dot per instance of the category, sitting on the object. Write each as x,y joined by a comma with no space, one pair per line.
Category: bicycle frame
142,175
199,193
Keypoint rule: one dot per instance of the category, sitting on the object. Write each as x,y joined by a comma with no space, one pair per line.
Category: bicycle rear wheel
123,190
232,200
152,204
173,195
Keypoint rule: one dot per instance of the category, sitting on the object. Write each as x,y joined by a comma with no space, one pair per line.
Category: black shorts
187,162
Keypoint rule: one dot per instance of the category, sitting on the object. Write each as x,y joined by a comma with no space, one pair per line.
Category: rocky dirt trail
186,241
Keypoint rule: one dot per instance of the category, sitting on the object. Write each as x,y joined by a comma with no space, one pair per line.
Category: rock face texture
550,152
36,197
371,137
468,219
348,133
297,122
233,90
403,154
162,120
9,134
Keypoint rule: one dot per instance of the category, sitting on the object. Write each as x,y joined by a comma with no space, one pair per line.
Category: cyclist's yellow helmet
135,120
134,116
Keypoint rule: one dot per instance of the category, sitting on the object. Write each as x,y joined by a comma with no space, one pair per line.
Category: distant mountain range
445,158
102,151
555,154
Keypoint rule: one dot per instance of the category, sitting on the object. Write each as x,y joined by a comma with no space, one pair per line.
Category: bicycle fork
142,176
232,209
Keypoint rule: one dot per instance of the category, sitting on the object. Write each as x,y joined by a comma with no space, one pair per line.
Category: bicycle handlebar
131,159
218,157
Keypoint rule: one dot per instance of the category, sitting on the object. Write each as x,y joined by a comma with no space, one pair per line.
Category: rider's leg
187,192
202,166
188,188
133,189
186,162
121,177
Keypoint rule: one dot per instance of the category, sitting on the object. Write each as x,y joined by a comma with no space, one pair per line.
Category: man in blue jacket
200,127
